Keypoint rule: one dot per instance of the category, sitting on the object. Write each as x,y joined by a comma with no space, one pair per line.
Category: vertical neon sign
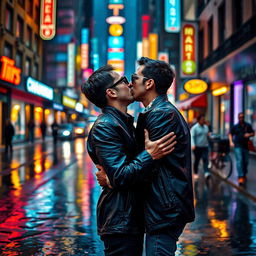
116,38
172,16
48,19
188,50
84,48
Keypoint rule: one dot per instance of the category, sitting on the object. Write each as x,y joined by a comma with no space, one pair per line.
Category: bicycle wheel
224,165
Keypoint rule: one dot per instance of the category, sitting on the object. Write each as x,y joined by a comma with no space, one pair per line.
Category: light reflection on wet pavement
58,218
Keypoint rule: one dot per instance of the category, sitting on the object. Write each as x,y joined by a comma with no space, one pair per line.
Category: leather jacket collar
126,118
159,99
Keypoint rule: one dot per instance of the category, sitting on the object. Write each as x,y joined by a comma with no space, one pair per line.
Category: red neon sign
47,20
9,72
188,54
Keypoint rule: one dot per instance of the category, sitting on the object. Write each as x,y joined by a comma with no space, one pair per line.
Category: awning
199,101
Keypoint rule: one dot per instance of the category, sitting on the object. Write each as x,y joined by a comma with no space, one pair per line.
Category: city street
48,205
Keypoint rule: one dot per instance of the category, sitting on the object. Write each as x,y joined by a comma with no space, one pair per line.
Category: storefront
233,90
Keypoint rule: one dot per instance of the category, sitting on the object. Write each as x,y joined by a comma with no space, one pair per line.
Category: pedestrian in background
239,138
9,133
31,128
55,128
200,145
43,128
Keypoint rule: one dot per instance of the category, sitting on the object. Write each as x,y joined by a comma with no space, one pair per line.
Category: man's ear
150,84
111,93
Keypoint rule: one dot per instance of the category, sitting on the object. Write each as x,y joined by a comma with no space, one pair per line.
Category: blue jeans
242,158
163,242
123,244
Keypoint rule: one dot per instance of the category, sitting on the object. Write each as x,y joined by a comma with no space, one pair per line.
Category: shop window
18,61
237,14
8,50
19,28
250,107
221,23
225,114
210,36
28,67
29,37
9,18
38,114
18,119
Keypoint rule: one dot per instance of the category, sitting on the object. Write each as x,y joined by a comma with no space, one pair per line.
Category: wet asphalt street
48,199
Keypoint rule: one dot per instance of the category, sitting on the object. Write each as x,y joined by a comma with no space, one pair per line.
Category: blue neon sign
172,16
116,42
35,87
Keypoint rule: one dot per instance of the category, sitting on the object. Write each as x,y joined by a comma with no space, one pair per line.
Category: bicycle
220,159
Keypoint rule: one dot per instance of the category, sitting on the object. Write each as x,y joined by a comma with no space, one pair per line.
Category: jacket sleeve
161,123
109,149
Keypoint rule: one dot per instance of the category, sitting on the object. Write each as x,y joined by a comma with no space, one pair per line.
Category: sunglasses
135,77
123,79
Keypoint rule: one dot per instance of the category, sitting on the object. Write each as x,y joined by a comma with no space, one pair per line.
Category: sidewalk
25,144
249,189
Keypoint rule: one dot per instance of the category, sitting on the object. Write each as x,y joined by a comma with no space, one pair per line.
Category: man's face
138,88
202,120
241,118
122,88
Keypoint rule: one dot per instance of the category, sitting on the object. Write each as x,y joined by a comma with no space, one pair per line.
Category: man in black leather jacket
169,194
112,144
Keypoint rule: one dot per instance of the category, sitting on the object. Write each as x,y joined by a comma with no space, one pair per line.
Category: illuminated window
19,28
8,18
18,119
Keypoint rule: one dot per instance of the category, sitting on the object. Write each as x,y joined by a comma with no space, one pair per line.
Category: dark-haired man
169,194
239,136
200,144
112,144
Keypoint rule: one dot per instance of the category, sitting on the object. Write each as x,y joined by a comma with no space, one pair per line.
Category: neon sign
188,50
172,16
195,86
84,48
40,89
9,72
116,39
71,65
48,19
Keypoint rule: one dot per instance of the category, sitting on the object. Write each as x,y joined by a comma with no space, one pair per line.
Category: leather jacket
111,143
169,193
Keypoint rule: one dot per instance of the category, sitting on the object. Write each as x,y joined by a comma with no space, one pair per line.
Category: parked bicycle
220,159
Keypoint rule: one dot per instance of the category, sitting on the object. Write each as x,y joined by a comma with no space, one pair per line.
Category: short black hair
160,71
95,87
200,116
